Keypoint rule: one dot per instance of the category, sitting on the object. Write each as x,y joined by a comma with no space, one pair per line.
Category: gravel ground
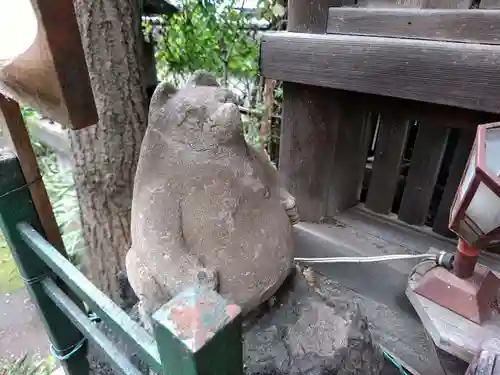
21,331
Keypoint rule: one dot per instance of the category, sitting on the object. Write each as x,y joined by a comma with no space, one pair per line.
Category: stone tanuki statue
207,208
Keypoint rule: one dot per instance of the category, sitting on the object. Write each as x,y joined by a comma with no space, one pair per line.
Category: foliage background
221,36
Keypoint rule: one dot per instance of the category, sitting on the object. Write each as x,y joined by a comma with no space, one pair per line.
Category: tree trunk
105,155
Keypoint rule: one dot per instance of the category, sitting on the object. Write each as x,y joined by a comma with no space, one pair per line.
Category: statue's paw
208,278
290,207
293,215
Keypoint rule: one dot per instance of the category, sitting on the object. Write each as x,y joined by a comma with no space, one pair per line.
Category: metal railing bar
134,335
88,329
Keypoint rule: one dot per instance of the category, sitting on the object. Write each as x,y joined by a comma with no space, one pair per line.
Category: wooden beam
421,111
51,75
304,17
454,74
460,157
463,25
308,133
321,129
348,156
490,4
27,159
425,164
454,4
389,3
386,170
308,118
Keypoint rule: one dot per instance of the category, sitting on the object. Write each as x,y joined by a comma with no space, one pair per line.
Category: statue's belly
246,237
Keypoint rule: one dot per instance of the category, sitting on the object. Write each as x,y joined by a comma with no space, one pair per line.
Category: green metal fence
197,332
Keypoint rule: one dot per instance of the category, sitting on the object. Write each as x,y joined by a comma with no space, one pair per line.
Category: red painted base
470,298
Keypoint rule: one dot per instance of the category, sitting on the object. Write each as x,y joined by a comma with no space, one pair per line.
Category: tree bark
105,155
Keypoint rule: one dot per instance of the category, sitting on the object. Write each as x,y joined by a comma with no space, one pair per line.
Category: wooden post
27,159
198,332
16,207
323,145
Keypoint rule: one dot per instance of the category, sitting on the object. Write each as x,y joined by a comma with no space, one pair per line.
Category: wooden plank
326,178
450,4
490,4
308,133
454,4
473,26
457,167
389,3
453,117
454,74
350,152
389,150
305,18
316,130
22,146
425,164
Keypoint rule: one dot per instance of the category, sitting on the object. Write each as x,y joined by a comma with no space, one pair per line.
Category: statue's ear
163,92
203,78
227,117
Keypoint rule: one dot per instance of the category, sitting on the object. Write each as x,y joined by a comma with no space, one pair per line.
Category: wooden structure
381,102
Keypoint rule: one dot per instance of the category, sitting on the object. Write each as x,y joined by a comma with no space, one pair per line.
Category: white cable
381,258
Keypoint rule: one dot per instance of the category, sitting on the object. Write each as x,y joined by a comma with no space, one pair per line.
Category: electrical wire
381,258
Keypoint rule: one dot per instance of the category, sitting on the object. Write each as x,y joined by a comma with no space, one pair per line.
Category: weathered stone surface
207,208
487,361
309,333
304,330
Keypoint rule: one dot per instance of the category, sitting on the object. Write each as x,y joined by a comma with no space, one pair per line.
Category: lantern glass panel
484,209
492,151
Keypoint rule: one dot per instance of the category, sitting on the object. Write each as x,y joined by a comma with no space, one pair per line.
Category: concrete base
450,331
470,298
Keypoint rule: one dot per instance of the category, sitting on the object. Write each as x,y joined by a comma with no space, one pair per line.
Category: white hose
381,258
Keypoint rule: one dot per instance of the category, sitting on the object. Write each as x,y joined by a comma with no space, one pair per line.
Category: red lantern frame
481,175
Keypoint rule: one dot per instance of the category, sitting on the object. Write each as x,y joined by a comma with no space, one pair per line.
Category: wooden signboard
42,64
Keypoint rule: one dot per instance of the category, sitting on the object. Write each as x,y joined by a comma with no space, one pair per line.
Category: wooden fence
381,105
59,291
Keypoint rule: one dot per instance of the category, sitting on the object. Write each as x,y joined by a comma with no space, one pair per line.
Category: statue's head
201,113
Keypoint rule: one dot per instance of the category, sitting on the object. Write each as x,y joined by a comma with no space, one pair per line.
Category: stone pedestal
304,330
308,332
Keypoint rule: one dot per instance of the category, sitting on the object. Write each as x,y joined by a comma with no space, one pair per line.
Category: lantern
475,213
470,288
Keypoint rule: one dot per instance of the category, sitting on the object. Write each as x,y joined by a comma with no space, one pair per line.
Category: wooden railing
381,105
59,291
